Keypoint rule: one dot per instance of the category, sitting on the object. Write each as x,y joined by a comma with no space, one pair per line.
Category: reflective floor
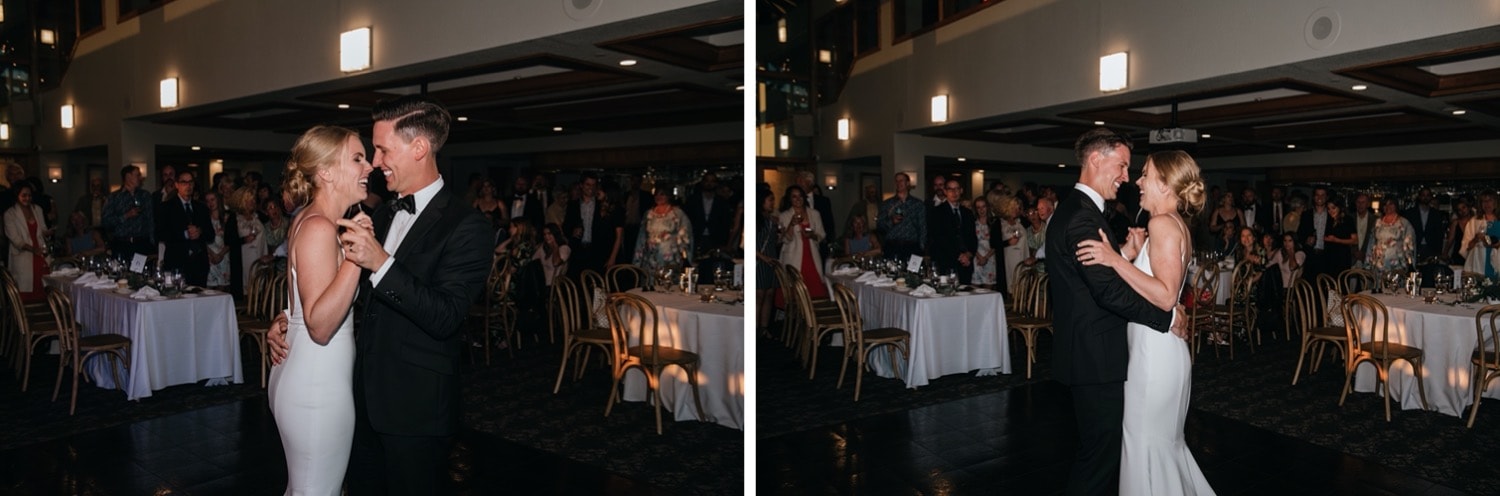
235,449
1020,441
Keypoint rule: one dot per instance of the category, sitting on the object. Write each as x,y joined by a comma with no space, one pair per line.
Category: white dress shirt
401,224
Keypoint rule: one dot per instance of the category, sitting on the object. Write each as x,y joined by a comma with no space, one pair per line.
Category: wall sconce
844,129
47,37
67,117
785,142
354,50
1114,71
169,93
825,56
831,181
940,108
4,131
54,173
781,30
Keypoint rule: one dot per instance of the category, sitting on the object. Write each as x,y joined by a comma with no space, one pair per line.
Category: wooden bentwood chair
1486,361
74,351
861,342
1379,351
648,354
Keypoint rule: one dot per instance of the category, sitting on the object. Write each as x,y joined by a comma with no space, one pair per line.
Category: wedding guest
1479,248
487,203
26,229
801,230
666,236
1338,240
1391,241
860,241
1224,222
91,204
251,233
553,253
1014,240
184,230
127,217
218,250
768,244
984,250
275,221
1288,258
1452,244
83,240
902,221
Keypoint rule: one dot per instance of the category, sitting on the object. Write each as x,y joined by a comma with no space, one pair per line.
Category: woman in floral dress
218,251
666,236
1391,248
984,253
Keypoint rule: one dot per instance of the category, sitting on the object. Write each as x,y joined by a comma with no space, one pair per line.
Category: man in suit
1431,225
951,239
1312,232
426,255
168,190
1278,208
1256,215
712,216
525,204
1093,305
1364,225
593,230
184,227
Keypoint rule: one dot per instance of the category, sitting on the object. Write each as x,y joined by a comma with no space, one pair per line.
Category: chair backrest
624,277
67,326
1021,271
1024,292
590,281
798,300
567,302
1364,311
645,328
1205,287
1242,284
1041,303
853,323
14,306
1327,284
841,262
1304,308
1487,329
1356,279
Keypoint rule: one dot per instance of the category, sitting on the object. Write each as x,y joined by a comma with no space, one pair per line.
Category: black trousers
123,248
382,464
1100,409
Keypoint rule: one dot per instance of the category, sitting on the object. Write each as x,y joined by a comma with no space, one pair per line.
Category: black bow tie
520,196
407,203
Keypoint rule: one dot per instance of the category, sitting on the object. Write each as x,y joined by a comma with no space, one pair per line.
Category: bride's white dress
312,398
1154,458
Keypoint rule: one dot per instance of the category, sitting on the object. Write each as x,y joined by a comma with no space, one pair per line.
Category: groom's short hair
1097,140
416,115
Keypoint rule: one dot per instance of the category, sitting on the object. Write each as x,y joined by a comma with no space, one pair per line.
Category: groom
425,259
1092,304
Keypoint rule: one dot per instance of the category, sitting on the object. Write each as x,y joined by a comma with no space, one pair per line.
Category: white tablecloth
716,332
950,335
1447,338
174,341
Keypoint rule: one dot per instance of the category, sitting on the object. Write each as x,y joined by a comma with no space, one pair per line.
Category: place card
914,264
138,263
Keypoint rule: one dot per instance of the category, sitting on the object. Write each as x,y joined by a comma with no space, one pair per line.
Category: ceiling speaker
580,10
1322,28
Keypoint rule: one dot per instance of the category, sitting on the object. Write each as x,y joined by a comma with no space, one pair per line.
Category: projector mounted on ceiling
1173,135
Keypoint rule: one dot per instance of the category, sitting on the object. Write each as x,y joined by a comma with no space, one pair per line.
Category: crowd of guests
984,238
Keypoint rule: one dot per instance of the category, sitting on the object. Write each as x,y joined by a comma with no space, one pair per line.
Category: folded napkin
866,277
923,291
883,282
88,278
102,284
145,292
847,271
66,271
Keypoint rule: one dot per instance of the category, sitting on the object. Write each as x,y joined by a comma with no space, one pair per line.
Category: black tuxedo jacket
172,222
949,235
604,224
1428,239
535,210
1090,305
1263,216
716,222
406,377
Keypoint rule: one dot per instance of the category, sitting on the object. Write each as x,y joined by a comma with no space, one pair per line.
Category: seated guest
82,240
859,241
553,253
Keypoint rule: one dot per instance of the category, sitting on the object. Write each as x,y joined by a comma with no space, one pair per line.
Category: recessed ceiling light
1359,87
1460,112
463,119
1291,146
557,128
963,159
1098,123
627,62
343,105
1061,166
1207,136
196,148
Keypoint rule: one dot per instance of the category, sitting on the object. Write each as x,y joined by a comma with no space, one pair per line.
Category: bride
1154,459
310,392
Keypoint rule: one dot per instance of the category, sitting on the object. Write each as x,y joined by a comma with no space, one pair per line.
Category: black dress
769,244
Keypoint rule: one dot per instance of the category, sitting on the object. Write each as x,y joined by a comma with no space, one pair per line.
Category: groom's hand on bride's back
276,339
1180,324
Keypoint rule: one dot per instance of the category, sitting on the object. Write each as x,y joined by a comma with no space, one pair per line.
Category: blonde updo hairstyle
318,148
1180,173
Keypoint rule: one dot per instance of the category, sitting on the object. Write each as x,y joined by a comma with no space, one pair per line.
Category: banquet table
179,340
716,332
949,334
1447,338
